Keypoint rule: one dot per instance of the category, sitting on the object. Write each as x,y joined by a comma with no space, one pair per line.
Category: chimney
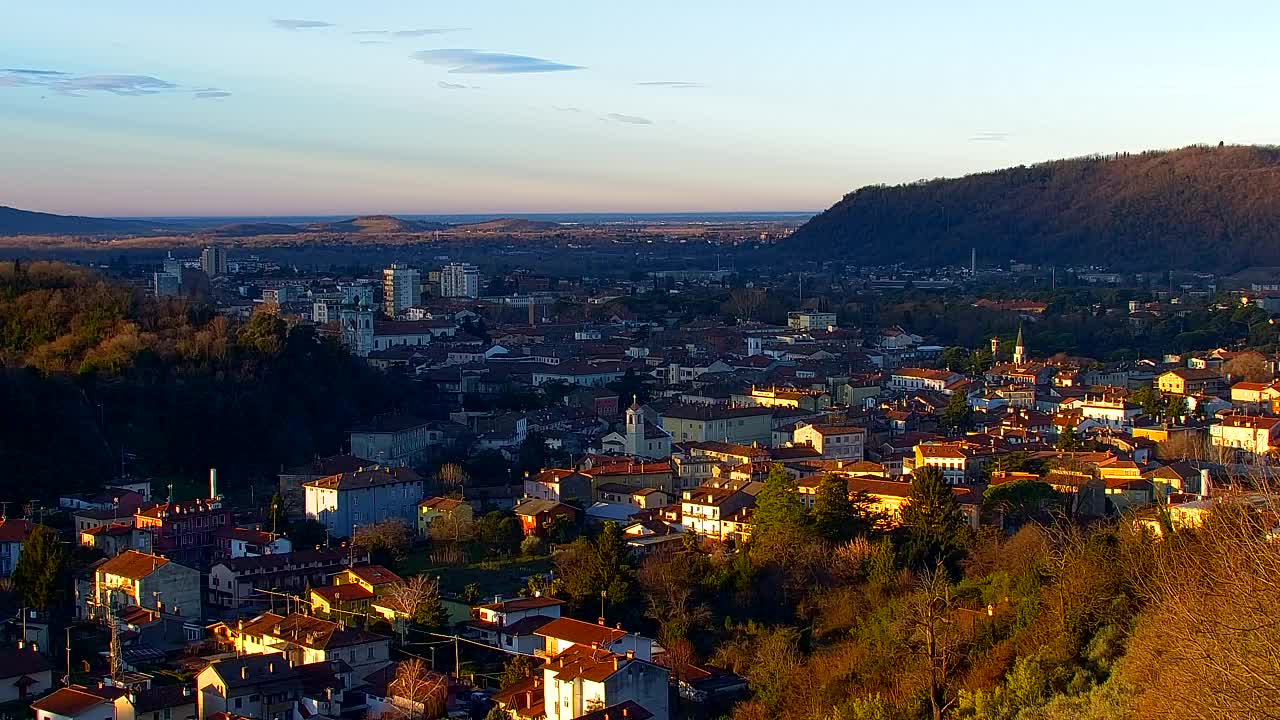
271,666
528,698
21,645
624,711
244,672
631,654
600,621
1206,486
617,662
213,482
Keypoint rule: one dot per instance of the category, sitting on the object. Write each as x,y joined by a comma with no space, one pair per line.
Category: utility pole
68,678
457,663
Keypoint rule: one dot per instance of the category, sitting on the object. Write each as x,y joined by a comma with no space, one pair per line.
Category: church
642,437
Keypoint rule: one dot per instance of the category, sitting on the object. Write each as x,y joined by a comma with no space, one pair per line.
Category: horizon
320,108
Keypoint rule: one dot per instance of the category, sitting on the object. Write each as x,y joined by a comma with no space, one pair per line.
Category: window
238,702
253,698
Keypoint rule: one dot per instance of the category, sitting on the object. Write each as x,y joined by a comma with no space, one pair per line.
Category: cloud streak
417,32
481,62
629,119
990,137
455,86
295,24
64,83
674,84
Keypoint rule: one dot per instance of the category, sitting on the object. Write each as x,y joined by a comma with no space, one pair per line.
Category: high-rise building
460,280
166,284
401,288
213,261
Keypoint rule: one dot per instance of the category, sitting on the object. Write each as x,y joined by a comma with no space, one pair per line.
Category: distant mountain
254,229
510,225
1215,208
25,222
375,224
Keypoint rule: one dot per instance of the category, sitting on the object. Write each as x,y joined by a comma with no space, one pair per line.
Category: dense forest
1211,208
95,375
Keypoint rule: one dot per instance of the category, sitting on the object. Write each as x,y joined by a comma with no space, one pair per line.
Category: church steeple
1019,352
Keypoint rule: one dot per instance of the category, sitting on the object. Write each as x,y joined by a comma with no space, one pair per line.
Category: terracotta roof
349,592
365,479
627,710
69,702
308,631
442,504
522,604
132,564
585,662
15,531
163,696
375,574
580,633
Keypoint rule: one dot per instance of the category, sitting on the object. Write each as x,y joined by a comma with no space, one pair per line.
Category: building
184,531
643,438
559,484
304,639
835,442
24,673
164,284
13,535
703,510
434,508
234,583
401,289
513,624
79,703
292,479
960,462
714,423
792,398
213,261
460,280
1190,381
243,542
907,379
344,502
585,682
269,687
538,516
394,440
116,538
353,590
811,320
564,633
159,702
1246,433
134,579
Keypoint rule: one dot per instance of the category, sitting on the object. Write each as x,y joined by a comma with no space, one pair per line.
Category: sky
419,106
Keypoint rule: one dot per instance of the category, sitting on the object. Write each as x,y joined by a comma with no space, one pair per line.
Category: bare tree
451,479
746,302
390,537
935,637
418,692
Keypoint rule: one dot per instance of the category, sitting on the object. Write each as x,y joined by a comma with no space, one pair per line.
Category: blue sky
323,107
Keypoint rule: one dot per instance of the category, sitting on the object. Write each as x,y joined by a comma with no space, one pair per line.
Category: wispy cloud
990,137
676,84
375,42
417,32
295,24
480,62
569,109
455,86
630,119
72,85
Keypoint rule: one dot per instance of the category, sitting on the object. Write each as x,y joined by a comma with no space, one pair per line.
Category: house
344,502
159,702
537,516
292,479
394,440
657,475
267,687
1190,381
560,485
647,536
792,398
13,535
135,579
24,673
909,378
843,442
890,497
234,583
564,633
585,682
703,509
513,624
643,498
304,639
184,531
353,590
116,538
810,320
715,423
1246,433
433,508
79,703
234,542
960,462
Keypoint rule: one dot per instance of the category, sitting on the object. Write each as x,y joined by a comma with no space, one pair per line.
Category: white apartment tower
213,261
401,286
460,280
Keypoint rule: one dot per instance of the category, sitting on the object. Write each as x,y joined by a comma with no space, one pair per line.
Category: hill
510,225
377,224
1197,207
255,229
25,222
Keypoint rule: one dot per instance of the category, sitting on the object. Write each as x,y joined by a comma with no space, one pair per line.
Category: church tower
1019,352
635,427
357,328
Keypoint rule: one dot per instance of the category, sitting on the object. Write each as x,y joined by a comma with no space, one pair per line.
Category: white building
460,280
842,442
136,579
1248,433
213,261
346,501
401,288
583,681
810,320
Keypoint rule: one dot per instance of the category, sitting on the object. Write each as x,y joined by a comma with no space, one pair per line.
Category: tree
40,574
588,568
956,359
937,530
1151,402
499,533
451,479
778,505
956,416
1068,440
833,513
934,637
417,692
307,533
746,302
387,541
1020,500
417,599
517,668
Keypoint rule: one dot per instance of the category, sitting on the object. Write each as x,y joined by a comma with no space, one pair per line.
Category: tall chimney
1205,484
213,483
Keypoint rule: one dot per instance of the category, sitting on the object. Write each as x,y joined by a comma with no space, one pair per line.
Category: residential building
512,624
269,687
115,539
344,502
234,583
537,516
304,639
232,542
159,702
584,682
1246,433
460,280
1190,381
292,479
703,509
716,423
134,579
213,261
643,498
433,508
184,531
909,378
394,440
810,320
960,462
843,442
564,633
812,400
401,289
79,703
657,475
24,673
353,590
13,535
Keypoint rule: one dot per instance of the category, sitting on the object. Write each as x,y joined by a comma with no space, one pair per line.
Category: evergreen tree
778,505
39,576
611,567
937,530
1068,440
956,416
833,515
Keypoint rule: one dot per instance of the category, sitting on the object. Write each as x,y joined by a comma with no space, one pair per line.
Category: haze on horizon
325,108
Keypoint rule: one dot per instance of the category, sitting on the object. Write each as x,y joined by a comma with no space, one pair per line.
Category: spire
635,402
1019,353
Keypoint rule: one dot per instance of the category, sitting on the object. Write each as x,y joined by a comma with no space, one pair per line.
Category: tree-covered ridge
1194,208
95,372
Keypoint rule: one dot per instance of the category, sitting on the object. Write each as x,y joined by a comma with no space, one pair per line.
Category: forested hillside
93,371
1195,208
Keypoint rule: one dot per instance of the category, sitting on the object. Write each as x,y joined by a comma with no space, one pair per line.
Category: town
610,497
